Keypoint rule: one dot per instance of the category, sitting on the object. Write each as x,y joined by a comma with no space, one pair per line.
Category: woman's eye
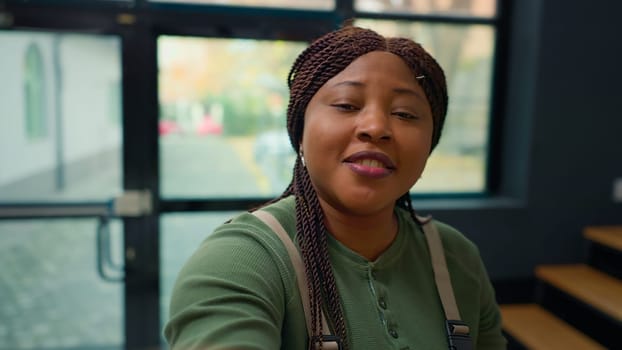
405,115
344,107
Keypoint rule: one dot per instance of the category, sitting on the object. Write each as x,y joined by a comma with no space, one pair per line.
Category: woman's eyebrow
397,90
353,83
408,91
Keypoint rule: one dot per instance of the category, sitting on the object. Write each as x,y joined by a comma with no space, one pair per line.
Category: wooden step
586,284
610,236
537,329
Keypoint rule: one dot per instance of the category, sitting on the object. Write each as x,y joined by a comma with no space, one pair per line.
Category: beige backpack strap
457,331
303,288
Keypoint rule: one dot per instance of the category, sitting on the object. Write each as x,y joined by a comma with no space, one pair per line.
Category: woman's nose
374,125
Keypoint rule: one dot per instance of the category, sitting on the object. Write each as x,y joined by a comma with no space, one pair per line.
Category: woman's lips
370,164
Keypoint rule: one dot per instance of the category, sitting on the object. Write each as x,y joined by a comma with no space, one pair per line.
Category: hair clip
420,77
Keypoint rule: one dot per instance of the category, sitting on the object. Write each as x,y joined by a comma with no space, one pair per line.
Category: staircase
576,306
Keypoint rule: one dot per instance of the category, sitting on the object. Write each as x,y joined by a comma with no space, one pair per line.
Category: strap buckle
328,341
458,335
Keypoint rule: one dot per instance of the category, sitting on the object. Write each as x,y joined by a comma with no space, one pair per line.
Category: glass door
61,281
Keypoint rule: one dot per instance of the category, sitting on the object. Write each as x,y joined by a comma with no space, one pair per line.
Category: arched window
34,93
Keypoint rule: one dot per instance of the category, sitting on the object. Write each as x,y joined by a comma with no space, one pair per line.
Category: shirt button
393,333
382,303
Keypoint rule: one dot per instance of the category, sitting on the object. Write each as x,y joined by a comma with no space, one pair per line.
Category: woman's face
367,135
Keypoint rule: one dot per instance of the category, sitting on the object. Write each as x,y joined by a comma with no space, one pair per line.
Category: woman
365,112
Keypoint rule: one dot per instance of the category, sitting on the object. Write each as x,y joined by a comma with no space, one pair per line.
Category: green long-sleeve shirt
238,291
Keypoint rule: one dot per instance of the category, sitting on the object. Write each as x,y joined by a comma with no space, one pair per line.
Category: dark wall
561,137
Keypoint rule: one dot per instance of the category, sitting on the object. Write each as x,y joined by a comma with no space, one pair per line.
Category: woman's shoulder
243,243
284,210
452,237
246,227
457,246
455,242
240,268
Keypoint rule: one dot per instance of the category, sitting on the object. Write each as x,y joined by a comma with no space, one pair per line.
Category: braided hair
322,60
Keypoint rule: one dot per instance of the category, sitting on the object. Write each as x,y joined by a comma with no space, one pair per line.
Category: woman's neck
367,235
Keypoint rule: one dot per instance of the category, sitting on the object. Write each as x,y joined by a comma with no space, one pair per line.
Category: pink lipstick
370,164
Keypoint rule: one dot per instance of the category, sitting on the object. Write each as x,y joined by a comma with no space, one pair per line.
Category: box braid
322,60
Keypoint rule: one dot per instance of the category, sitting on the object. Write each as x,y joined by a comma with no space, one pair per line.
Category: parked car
207,126
166,127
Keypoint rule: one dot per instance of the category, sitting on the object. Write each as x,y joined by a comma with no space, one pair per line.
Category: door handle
105,262
133,203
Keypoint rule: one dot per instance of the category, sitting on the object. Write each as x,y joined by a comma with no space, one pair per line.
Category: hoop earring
302,157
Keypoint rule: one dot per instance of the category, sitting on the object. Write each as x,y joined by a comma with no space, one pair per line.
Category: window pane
478,8
180,236
305,4
465,52
222,116
61,110
50,293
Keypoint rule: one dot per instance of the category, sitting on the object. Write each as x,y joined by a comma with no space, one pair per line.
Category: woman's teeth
372,163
